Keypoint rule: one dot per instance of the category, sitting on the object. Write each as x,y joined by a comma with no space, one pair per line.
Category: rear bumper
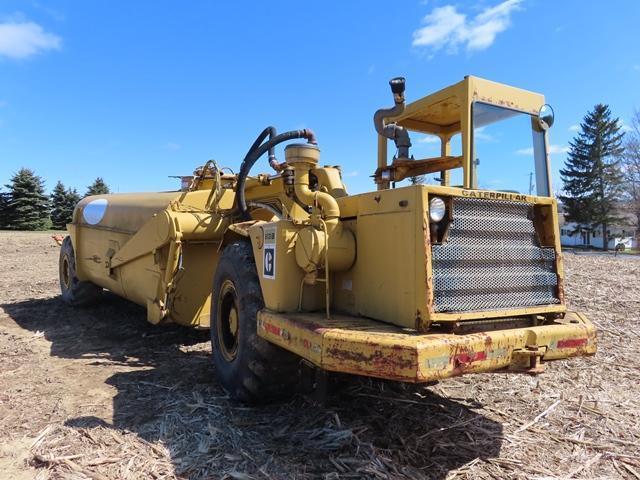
366,347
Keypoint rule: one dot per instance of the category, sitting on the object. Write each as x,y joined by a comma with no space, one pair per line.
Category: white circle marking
93,212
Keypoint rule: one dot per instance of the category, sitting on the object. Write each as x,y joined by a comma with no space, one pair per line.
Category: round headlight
437,209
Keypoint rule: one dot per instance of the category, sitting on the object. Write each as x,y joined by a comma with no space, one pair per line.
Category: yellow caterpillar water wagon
411,283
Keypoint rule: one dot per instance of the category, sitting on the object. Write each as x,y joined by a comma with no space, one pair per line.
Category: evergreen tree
58,206
28,206
63,201
592,176
98,187
73,197
4,210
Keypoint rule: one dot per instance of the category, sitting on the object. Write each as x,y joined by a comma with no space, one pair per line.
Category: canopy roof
442,111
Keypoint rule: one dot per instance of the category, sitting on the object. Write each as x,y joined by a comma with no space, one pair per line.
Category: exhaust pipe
394,132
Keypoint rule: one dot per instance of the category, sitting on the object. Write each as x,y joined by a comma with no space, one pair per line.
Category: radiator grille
491,259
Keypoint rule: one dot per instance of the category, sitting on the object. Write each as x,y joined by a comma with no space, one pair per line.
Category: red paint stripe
272,329
470,357
572,342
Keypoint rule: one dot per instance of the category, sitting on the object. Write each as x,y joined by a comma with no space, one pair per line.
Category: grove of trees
25,205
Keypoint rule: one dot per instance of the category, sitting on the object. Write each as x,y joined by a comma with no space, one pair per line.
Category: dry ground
98,393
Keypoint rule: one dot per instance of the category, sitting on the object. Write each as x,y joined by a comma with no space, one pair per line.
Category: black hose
255,153
271,132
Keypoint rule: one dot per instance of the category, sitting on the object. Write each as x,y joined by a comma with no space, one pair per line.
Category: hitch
528,360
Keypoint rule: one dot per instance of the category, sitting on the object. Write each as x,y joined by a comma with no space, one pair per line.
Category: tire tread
80,293
263,372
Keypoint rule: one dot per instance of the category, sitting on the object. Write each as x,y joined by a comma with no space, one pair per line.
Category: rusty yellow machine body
413,283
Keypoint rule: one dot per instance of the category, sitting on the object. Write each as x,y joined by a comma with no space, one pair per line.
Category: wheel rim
228,324
66,272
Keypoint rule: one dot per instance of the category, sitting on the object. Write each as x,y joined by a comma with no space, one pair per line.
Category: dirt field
100,394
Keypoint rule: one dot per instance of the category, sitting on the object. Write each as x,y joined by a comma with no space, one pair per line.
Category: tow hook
528,360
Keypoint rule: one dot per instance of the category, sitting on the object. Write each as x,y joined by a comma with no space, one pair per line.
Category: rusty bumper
366,347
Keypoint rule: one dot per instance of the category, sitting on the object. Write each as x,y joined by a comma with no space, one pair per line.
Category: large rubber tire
248,367
74,292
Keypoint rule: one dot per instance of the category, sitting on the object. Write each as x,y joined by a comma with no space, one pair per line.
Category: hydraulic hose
271,132
255,153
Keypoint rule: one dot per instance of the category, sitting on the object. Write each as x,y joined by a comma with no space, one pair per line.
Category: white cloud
574,128
525,151
624,127
445,26
479,134
442,26
54,14
354,173
172,146
22,39
553,149
429,139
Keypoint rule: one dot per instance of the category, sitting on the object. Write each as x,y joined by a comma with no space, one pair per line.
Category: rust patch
560,289
312,326
419,322
385,364
356,369
423,325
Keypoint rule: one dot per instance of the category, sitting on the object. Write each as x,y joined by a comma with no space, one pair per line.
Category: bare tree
631,167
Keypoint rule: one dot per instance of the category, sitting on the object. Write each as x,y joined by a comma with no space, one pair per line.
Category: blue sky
137,91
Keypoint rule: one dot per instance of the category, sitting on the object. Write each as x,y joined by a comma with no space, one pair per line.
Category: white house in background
574,235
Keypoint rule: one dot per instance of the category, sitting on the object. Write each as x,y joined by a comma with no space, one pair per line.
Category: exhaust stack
394,132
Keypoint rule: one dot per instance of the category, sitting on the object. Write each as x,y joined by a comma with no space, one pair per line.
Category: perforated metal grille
491,259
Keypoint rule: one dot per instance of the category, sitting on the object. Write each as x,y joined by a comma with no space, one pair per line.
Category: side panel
388,280
191,302
280,277
91,246
384,280
140,278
